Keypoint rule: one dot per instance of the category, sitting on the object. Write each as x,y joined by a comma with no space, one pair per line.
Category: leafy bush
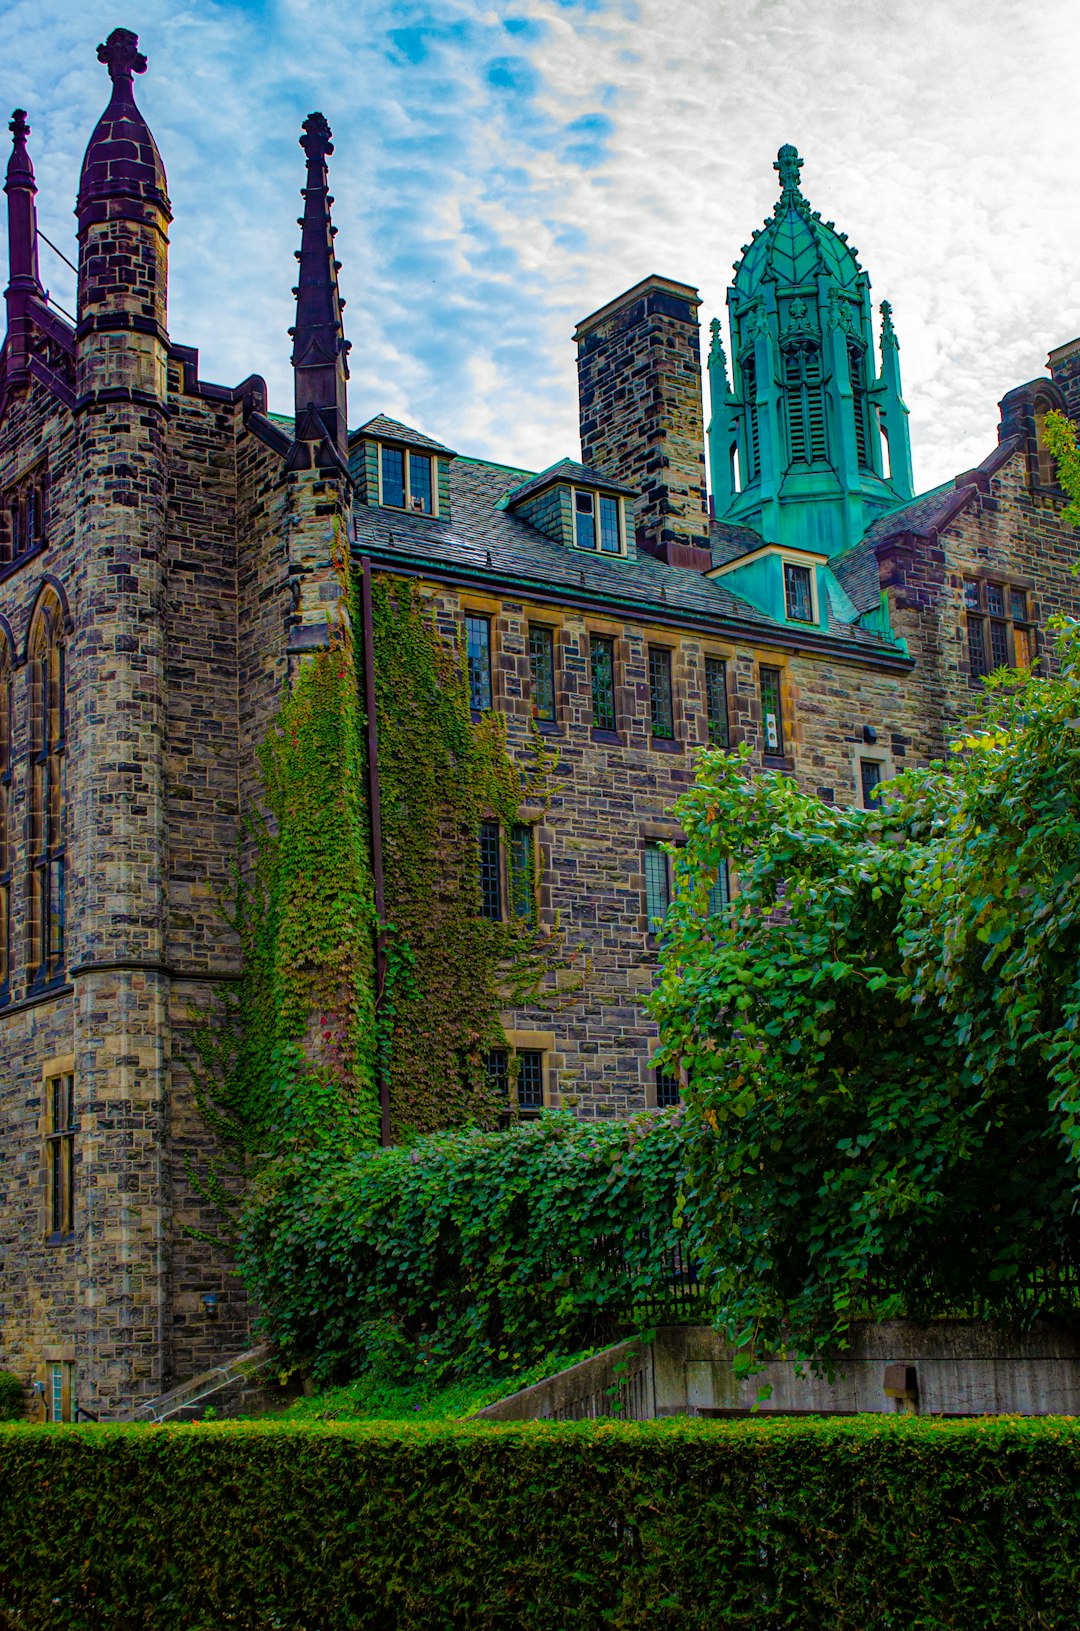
883,1035
11,1397
467,1252
371,1398
862,1525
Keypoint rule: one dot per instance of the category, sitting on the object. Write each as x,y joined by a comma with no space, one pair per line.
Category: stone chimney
639,395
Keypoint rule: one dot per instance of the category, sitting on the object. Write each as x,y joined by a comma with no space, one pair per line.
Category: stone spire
24,282
320,349
122,160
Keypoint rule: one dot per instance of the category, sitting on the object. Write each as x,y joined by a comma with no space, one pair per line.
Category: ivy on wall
449,969
291,1058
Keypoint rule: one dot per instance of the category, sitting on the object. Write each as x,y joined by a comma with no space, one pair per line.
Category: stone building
165,565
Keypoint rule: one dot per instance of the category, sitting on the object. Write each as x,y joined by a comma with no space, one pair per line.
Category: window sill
13,566
60,1240
548,727
779,761
606,736
665,744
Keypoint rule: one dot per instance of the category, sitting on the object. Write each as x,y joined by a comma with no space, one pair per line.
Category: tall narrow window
522,873
859,402
610,531
530,1082
657,886
660,707
542,671
602,677
6,737
60,1156
45,959
393,477
798,593
870,781
752,436
805,396
772,717
976,646
720,892
716,702
59,1377
478,658
584,521
420,483
490,886
497,1071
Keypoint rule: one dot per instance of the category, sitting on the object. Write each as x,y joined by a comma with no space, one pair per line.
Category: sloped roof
494,544
392,430
567,470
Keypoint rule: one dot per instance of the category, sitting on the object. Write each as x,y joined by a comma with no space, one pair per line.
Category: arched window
805,394
45,915
751,430
7,720
860,404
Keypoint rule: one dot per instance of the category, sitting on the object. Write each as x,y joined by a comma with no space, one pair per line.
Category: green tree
882,1034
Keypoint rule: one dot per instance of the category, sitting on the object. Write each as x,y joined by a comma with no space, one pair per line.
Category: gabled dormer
789,585
396,468
578,507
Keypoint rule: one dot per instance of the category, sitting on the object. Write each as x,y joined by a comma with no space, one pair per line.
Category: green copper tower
808,440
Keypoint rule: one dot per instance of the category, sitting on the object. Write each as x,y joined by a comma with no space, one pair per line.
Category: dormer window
798,593
598,522
405,480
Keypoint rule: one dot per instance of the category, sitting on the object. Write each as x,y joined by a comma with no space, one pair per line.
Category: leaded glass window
478,658
772,716
60,1155
45,946
657,886
530,1081
999,631
720,892
602,678
542,671
870,781
522,873
610,535
660,706
490,885
667,1089
393,477
716,702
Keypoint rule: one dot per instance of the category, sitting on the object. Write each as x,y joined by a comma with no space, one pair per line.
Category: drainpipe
376,824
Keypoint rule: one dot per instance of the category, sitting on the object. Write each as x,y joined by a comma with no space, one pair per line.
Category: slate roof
495,545
567,470
728,541
394,431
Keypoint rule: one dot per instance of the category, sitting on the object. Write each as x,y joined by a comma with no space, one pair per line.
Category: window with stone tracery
22,518
45,915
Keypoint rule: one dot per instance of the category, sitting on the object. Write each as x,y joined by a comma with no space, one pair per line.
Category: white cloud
501,172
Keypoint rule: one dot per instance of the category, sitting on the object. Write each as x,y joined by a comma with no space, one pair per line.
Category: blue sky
501,171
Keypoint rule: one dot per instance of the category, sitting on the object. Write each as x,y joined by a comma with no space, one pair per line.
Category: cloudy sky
502,171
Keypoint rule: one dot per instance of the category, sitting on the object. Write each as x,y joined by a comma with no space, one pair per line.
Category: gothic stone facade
165,564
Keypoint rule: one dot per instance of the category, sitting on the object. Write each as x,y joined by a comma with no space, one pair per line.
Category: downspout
367,624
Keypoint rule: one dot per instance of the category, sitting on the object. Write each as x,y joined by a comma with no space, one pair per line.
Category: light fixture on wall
869,734
210,1303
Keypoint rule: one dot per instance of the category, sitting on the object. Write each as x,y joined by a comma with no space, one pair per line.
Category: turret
24,282
320,349
803,416
123,214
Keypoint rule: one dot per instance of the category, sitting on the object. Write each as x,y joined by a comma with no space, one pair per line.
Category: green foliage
469,1253
449,969
1060,434
11,1397
871,1034
378,1397
863,1525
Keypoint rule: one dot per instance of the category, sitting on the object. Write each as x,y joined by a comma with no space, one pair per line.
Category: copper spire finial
788,164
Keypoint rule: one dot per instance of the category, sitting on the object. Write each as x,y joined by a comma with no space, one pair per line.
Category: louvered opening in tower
857,374
805,397
752,435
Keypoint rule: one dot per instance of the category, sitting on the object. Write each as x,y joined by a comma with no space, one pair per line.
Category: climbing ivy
449,969
291,1058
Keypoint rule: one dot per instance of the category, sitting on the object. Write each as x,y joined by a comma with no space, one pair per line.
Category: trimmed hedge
469,1252
851,1525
